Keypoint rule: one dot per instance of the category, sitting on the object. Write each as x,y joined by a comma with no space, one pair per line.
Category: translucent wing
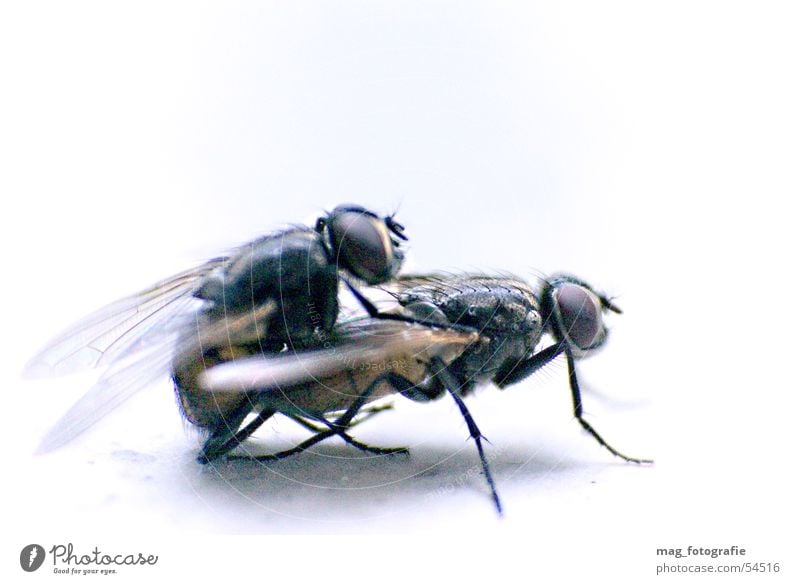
122,327
445,283
364,342
135,336
407,281
121,381
154,360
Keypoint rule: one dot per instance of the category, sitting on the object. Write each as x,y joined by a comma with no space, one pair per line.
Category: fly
276,292
508,317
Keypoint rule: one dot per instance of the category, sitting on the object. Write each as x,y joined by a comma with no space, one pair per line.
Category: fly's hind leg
228,435
379,450
363,415
339,426
366,413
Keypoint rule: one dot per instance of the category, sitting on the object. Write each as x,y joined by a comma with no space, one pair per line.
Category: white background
651,149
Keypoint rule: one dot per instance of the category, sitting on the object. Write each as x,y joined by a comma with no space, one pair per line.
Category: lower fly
508,319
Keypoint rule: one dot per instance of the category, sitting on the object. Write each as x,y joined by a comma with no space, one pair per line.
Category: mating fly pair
275,293
265,339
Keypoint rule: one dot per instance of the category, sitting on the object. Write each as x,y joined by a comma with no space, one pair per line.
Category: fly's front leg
516,372
519,371
578,409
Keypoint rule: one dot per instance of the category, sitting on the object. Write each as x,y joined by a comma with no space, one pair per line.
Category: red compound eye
580,314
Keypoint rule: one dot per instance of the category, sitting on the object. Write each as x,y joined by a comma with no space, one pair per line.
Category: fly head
364,244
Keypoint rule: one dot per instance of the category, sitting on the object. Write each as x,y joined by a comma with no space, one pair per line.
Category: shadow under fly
276,292
370,359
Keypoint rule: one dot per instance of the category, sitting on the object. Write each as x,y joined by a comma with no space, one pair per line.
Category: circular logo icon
31,557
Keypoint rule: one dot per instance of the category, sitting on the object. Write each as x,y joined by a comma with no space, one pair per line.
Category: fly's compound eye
580,314
362,245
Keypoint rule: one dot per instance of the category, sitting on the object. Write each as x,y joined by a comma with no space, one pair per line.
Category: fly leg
523,369
223,439
363,415
349,439
578,409
452,386
366,413
518,371
337,427
378,450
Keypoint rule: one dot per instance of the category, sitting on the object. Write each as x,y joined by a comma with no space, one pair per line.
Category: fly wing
434,286
151,362
228,330
364,342
443,283
120,382
433,280
122,327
